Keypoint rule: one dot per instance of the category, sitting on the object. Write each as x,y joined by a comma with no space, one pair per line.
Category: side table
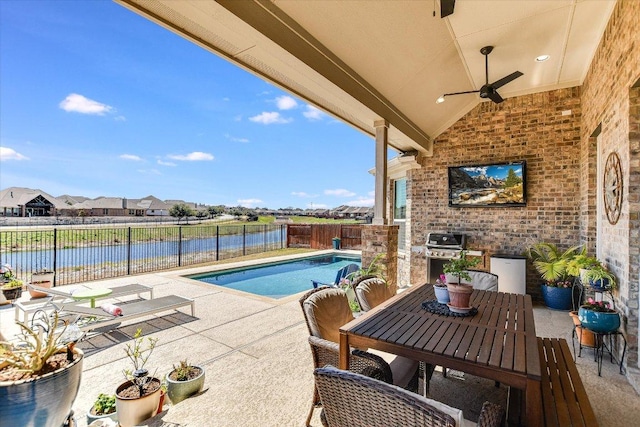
91,294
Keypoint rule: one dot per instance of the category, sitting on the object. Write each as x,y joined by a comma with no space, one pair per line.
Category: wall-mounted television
495,185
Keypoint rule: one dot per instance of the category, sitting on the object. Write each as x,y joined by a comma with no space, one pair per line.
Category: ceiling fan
487,90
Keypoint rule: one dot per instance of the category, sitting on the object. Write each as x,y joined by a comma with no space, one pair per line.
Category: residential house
27,202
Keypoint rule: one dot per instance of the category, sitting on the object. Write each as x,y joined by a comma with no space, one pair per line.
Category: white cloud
249,203
120,119
131,157
268,118
286,103
362,201
313,113
196,156
163,163
339,192
79,104
7,153
226,99
302,194
235,139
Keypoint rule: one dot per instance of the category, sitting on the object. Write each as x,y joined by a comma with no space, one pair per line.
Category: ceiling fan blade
494,96
503,81
461,93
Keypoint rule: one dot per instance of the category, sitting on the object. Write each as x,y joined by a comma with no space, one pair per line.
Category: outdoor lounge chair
88,318
325,311
342,273
350,399
483,280
57,295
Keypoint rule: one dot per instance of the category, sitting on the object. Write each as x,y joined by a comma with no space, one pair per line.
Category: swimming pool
278,280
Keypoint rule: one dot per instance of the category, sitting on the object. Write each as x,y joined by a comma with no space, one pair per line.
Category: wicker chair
372,291
325,309
351,400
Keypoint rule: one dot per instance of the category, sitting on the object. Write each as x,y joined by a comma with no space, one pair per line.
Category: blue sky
97,101
498,171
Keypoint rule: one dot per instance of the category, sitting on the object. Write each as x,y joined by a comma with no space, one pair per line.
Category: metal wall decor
612,187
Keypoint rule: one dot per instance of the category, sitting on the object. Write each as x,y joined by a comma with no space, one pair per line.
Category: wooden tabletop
498,343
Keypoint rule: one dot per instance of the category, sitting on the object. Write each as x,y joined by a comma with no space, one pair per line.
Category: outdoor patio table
497,343
91,294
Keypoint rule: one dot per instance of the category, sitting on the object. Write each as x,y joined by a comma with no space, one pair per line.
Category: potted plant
40,374
551,263
103,407
440,289
184,381
460,293
9,284
598,317
600,279
138,398
43,278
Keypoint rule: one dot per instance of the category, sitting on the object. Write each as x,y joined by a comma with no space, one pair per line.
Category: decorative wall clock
612,187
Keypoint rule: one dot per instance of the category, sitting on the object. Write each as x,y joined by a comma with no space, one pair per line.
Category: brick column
377,239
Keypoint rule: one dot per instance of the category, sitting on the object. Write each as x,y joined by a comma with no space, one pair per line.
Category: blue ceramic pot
557,298
599,321
599,285
442,294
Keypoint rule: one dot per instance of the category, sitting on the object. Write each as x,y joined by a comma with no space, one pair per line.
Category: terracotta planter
585,336
43,280
460,295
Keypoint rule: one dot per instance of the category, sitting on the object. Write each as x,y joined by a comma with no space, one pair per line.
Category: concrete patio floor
258,363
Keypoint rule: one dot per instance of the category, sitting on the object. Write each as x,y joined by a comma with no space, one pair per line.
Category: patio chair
373,291
325,311
342,273
350,399
483,280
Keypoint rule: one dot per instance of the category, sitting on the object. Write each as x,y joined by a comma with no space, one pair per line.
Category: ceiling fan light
440,100
542,58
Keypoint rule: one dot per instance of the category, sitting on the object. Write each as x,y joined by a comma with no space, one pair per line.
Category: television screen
498,184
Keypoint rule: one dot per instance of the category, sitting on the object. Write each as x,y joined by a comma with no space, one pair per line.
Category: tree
180,211
512,179
215,211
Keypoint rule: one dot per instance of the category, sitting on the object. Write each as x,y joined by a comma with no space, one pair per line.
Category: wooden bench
564,398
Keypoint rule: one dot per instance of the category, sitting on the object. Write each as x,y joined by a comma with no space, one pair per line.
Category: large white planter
42,401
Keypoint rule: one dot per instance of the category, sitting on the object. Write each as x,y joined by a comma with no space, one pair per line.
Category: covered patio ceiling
363,61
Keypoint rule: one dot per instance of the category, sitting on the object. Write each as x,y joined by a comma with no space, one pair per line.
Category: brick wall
610,107
531,128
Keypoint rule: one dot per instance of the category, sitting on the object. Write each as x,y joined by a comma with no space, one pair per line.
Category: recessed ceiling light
542,58
440,100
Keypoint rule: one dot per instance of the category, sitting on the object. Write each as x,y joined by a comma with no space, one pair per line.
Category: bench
97,318
31,306
564,398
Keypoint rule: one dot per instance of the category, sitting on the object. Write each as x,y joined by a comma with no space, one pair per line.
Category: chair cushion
327,311
403,369
372,292
455,413
483,280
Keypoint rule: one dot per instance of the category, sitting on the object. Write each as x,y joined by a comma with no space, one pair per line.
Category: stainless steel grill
445,245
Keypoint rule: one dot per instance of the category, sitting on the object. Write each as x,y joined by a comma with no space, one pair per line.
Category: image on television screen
499,184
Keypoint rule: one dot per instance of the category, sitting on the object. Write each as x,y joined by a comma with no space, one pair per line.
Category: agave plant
551,262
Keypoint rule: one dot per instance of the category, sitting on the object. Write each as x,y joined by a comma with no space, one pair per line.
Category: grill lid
446,240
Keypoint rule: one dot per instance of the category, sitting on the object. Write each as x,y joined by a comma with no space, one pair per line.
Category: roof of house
15,197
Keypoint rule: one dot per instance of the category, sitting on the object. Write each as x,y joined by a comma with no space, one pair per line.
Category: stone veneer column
377,239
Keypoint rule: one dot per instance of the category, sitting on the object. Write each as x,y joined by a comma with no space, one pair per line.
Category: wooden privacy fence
320,236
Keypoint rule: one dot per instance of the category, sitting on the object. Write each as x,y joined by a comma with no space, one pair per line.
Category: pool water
278,280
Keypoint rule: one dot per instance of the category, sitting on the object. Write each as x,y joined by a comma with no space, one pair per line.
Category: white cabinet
511,271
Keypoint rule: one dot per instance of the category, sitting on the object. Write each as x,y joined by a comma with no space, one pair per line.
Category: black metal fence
79,255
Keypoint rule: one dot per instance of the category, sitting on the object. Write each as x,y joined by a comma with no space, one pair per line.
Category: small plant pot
585,336
12,294
38,294
336,243
181,390
460,295
133,411
91,418
442,294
